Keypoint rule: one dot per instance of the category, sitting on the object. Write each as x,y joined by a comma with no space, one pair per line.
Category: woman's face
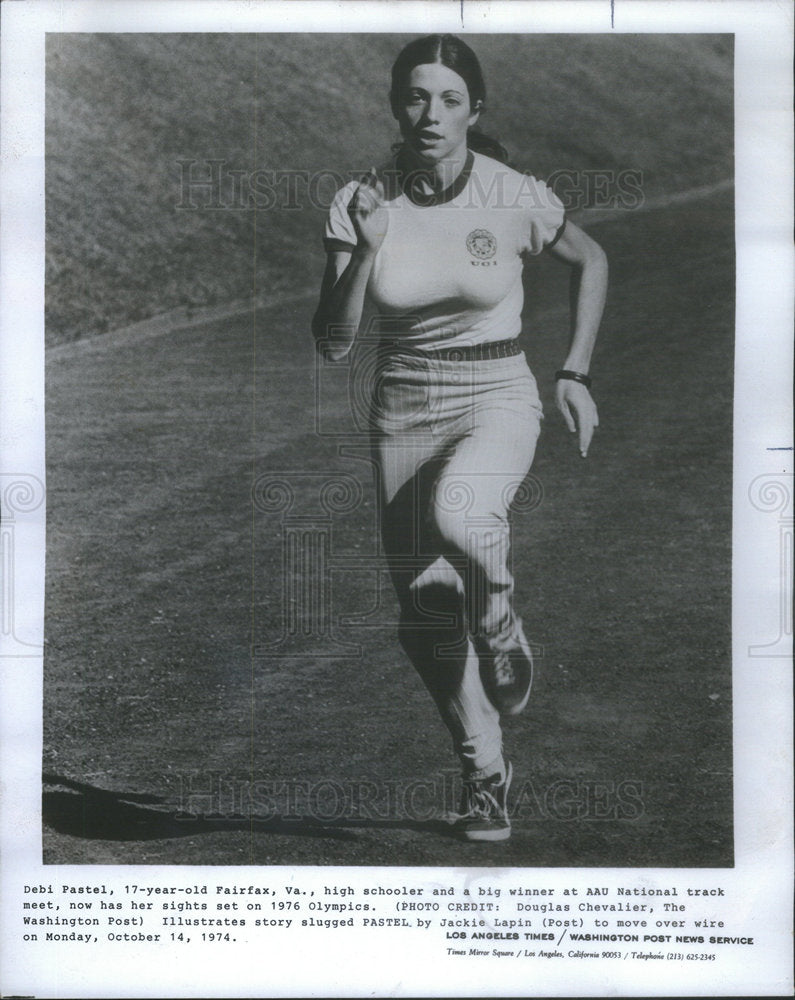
434,112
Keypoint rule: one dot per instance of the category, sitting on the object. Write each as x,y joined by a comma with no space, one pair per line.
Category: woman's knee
435,600
482,539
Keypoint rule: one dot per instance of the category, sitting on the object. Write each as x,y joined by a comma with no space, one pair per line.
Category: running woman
435,243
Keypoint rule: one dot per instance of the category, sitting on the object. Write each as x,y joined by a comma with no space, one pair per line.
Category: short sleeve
545,216
340,234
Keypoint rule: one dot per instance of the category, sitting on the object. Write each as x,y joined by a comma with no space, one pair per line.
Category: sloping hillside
130,116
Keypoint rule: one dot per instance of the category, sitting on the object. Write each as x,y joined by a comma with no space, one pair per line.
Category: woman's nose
432,112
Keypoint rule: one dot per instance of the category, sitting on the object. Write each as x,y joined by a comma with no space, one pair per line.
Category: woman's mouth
427,136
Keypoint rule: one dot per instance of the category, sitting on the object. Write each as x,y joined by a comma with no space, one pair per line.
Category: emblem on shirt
481,244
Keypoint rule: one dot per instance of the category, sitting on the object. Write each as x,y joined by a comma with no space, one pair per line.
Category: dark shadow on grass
96,814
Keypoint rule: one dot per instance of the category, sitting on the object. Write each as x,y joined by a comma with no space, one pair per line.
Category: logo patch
481,244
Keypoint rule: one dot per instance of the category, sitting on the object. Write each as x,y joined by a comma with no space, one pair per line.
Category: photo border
760,883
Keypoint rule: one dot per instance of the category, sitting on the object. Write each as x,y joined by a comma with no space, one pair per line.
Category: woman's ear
476,112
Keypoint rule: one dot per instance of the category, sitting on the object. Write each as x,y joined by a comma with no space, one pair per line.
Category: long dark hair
456,55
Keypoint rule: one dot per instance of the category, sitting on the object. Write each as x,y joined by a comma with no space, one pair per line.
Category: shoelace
503,669
480,802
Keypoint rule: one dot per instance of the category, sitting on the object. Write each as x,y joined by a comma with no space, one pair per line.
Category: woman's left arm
588,288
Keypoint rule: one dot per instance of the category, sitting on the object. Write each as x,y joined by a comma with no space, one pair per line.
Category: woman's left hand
579,411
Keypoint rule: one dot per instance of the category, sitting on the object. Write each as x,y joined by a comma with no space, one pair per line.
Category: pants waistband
466,352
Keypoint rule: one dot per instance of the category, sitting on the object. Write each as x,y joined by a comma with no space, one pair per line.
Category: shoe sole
516,709
488,687
485,835
509,709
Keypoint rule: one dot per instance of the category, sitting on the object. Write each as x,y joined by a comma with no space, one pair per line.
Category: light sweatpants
452,441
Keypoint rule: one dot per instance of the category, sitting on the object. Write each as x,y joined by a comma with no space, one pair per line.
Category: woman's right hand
368,214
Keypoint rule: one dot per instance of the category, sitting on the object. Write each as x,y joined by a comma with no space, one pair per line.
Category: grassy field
163,574
160,581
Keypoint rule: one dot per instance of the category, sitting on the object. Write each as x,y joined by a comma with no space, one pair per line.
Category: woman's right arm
339,312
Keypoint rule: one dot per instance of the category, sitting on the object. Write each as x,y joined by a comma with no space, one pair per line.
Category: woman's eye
451,102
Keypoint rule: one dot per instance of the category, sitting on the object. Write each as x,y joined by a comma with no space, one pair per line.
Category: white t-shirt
449,271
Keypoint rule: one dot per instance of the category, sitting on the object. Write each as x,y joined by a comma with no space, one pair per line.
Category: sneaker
483,814
506,668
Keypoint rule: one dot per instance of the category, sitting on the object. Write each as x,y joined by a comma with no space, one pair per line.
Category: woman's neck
438,176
